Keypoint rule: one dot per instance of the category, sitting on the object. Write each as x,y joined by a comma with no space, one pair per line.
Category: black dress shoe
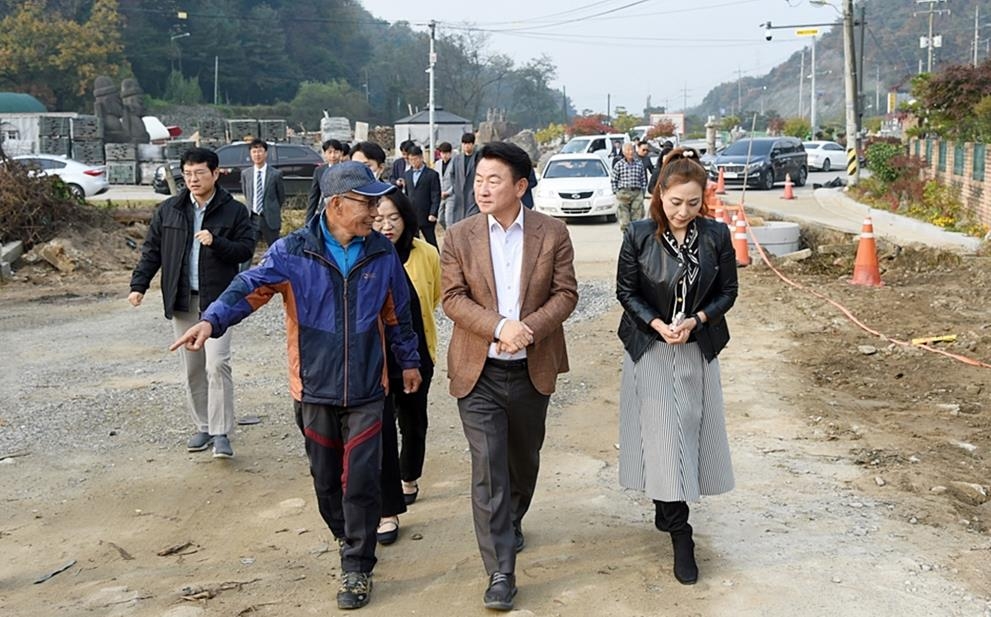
520,540
409,498
502,589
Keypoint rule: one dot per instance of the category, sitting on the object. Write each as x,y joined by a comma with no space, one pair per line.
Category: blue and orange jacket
335,346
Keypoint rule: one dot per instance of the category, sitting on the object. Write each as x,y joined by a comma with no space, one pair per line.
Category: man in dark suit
264,194
462,204
333,151
422,185
508,283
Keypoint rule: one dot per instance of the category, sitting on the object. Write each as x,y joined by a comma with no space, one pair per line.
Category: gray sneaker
199,442
222,447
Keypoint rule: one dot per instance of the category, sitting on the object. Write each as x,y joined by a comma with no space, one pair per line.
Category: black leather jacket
647,276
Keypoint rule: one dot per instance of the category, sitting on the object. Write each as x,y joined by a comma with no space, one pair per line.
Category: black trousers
393,502
503,418
429,232
411,411
262,232
344,447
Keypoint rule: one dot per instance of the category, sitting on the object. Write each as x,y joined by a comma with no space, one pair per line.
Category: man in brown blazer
508,283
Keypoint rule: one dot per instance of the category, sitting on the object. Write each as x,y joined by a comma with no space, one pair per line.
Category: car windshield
575,168
741,147
575,145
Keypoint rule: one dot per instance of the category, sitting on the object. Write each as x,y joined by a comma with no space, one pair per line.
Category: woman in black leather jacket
676,280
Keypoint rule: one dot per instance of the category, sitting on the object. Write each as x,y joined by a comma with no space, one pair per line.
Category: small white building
447,127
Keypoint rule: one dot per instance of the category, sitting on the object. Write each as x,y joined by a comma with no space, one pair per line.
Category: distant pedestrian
333,150
666,149
422,185
265,194
676,279
463,204
628,182
372,156
446,171
643,153
342,285
197,239
401,164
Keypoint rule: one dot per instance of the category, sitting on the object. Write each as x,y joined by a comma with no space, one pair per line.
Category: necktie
259,190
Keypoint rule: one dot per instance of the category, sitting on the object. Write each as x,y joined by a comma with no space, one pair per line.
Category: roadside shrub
880,157
550,133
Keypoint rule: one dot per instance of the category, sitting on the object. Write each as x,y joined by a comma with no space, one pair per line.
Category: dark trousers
503,418
393,502
262,232
429,231
411,411
344,446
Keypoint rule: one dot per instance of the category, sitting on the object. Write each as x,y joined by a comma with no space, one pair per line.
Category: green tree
796,127
728,123
337,97
624,122
183,91
56,59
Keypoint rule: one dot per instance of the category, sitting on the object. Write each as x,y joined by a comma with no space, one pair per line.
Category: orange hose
849,315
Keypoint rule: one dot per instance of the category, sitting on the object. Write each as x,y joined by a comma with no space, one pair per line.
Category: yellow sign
807,32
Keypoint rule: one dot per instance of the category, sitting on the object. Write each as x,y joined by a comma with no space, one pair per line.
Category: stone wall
966,167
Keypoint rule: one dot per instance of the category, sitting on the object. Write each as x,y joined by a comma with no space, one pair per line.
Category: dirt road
836,453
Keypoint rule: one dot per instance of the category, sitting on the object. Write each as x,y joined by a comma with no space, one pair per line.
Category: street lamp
178,49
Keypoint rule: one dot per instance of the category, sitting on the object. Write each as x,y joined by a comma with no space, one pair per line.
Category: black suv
770,159
295,161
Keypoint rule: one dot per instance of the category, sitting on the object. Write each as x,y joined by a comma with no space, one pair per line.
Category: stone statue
134,108
110,110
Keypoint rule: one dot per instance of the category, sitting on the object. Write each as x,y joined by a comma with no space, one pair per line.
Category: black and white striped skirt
672,430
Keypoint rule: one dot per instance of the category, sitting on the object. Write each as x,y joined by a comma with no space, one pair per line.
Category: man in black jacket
422,185
197,239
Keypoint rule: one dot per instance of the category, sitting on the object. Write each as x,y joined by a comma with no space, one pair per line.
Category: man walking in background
628,182
422,185
446,181
508,282
333,151
197,239
463,199
264,193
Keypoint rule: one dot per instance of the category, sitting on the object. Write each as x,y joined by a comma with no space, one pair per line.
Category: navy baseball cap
352,177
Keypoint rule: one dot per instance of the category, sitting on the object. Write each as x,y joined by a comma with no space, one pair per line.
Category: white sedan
825,155
575,185
83,180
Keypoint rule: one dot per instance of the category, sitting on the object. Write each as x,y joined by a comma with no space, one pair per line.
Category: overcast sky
628,48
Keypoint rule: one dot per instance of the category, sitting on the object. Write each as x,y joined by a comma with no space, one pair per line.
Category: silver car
83,180
825,155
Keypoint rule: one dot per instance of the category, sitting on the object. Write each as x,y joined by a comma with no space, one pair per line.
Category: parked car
595,144
295,161
825,155
575,185
761,162
82,179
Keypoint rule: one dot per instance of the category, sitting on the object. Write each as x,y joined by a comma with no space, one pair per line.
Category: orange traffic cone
789,193
710,197
718,215
865,268
740,243
721,183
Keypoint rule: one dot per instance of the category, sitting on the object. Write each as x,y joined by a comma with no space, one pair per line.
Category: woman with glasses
397,221
676,279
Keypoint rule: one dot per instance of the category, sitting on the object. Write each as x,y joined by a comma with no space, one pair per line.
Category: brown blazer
548,292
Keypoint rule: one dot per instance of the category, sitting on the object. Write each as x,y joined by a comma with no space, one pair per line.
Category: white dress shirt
506,248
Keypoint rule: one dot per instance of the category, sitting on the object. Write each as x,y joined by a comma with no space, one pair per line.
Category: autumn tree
663,128
949,103
55,58
589,125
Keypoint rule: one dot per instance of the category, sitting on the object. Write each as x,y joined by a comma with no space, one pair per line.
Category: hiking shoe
222,447
199,442
502,589
355,590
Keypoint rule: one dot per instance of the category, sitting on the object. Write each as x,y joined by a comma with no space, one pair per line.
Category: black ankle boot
660,520
685,568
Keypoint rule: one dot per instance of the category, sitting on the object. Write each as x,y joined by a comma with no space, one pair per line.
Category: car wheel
767,180
826,165
611,218
802,176
77,191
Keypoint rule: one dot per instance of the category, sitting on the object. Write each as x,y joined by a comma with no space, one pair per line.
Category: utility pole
812,101
801,87
930,42
216,76
977,31
850,81
739,91
684,94
430,113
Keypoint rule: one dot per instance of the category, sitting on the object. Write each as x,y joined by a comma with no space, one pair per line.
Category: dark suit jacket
548,295
273,198
313,201
464,204
425,195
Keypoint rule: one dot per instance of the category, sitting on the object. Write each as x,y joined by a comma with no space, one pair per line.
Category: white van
595,144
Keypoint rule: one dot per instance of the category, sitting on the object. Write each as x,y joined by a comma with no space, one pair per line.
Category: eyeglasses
370,203
393,220
199,173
